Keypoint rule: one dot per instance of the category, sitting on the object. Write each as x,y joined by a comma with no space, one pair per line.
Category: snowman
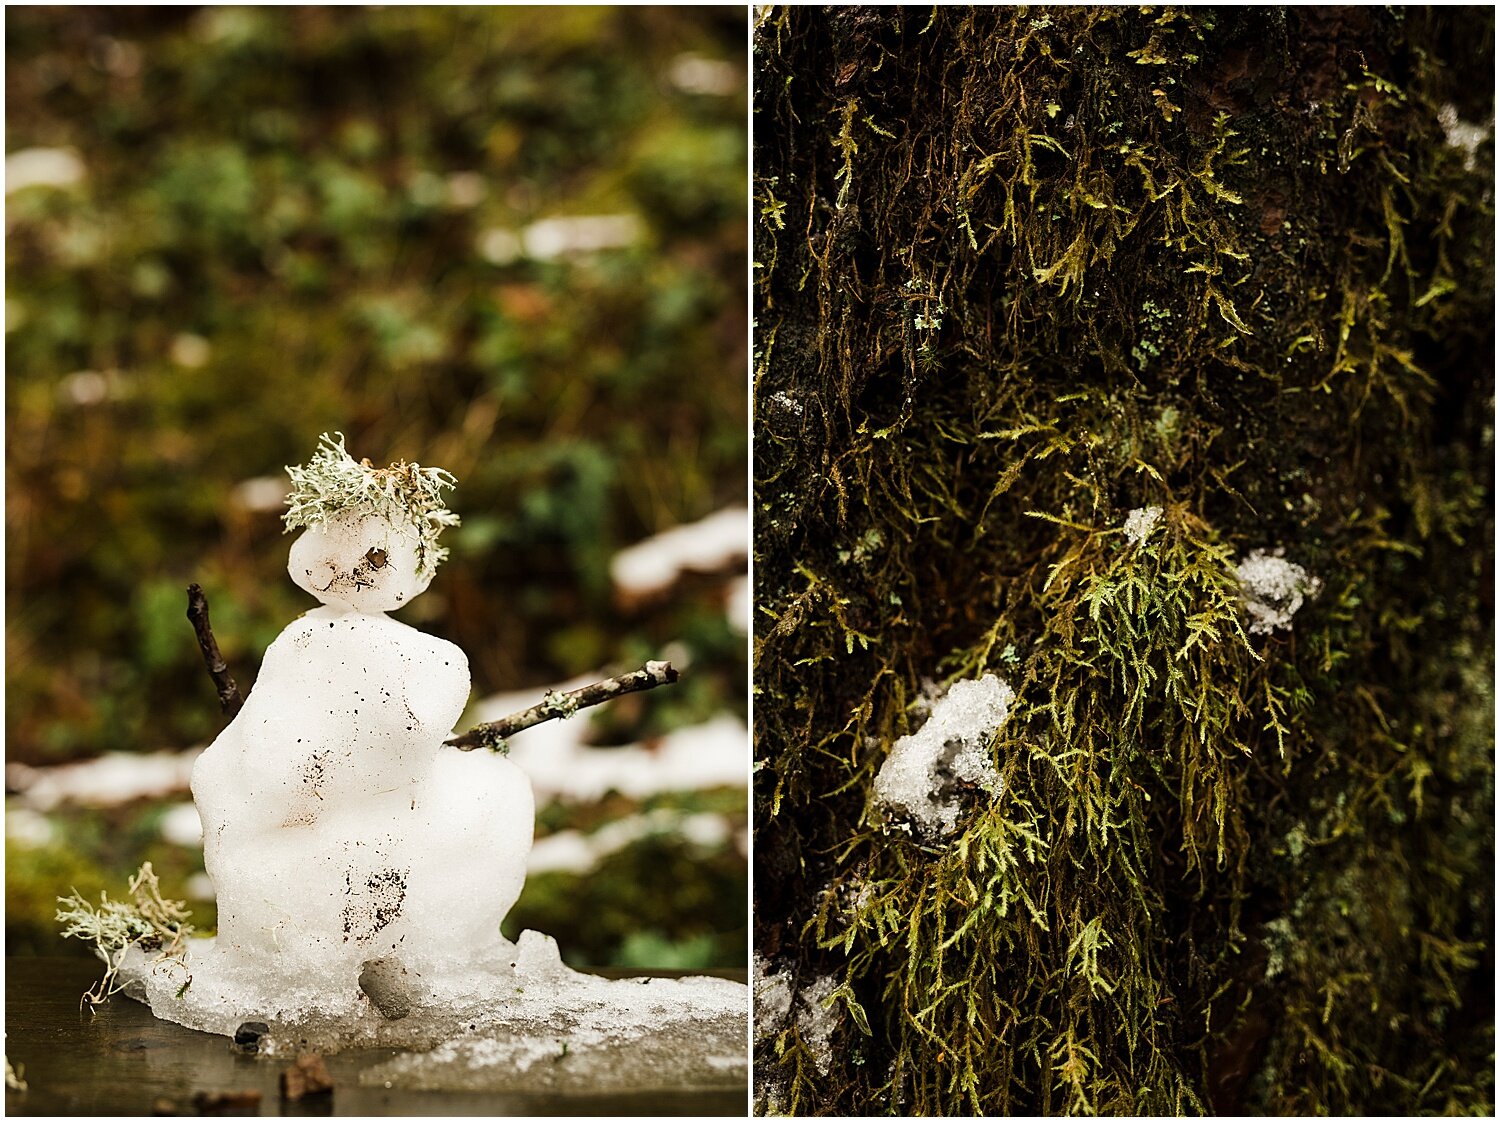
363,857
339,831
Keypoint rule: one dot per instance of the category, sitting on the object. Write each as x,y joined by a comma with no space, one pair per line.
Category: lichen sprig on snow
334,482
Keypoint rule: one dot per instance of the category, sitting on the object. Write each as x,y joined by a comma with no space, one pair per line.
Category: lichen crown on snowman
371,540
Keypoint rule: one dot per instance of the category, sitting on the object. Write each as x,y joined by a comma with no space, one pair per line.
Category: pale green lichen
558,704
333,482
147,919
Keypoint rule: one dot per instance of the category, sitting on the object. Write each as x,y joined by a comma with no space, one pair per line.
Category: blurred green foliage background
297,220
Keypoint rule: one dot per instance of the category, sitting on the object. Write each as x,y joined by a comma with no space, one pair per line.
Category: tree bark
1023,272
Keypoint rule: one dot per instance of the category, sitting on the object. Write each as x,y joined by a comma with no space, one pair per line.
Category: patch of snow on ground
42,167
576,852
922,776
199,887
1274,588
182,826
738,605
650,567
561,765
700,74
110,780
552,238
262,495
87,388
27,827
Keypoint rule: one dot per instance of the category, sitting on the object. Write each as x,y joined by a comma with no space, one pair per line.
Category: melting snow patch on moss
773,999
1274,588
815,1019
1464,136
923,777
1140,522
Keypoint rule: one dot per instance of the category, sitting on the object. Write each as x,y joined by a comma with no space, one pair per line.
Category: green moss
1220,262
658,894
88,851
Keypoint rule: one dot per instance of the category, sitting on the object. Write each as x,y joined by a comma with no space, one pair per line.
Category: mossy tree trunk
1021,271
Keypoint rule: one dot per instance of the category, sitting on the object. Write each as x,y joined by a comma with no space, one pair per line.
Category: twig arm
494,733
197,612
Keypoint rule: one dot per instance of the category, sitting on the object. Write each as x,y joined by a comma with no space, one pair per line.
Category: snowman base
521,1022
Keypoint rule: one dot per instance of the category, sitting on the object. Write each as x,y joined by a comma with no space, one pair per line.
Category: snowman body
338,828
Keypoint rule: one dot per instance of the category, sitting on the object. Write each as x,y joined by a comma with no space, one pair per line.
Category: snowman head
358,560
370,542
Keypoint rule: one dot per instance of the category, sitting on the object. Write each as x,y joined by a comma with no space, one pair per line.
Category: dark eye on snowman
376,558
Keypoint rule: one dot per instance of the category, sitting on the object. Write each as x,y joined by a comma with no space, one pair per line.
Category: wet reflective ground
121,1060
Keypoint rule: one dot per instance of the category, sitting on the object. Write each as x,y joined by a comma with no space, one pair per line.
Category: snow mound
112,779
923,778
1274,588
1140,522
651,567
42,167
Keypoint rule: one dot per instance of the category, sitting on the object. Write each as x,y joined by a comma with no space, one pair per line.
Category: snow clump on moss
1274,588
923,778
1140,522
775,1001
816,1020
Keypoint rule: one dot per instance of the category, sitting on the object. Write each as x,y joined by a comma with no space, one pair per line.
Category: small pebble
248,1036
388,986
308,1076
